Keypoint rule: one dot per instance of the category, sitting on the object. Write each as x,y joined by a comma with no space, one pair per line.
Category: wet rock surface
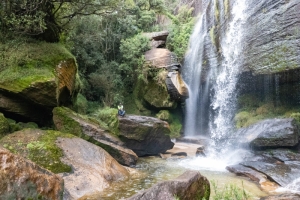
145,135
189,186
270,133
286,196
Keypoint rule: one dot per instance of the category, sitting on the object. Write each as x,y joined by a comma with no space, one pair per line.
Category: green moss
212,35
27,62
276,61
226,5
81,104
296,116
175,128
67,124
217,11
4,125
38,146
158,96
45,153
164,115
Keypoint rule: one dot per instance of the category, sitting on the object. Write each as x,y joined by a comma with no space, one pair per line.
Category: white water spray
212,83
224,102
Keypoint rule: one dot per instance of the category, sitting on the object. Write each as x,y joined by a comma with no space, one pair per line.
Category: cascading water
211,73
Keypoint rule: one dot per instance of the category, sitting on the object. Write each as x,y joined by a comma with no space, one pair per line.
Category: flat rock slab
282,197
281,173
254,175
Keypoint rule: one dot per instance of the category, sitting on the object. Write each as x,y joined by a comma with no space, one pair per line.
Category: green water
155,169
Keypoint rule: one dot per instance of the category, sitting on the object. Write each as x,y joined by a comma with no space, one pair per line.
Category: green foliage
296,116
81,104
175,128
132,50
45,19
163,115
252,110
109,117
4,125
229,192
180,31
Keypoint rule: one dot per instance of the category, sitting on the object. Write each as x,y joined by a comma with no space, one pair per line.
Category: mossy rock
38,146
30,62
164,115
64,122
4,125
35,77
157,95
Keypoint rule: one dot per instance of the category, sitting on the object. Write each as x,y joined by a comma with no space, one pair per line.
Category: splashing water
224,103
212,103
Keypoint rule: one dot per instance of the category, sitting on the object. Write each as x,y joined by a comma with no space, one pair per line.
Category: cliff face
36,78
270,36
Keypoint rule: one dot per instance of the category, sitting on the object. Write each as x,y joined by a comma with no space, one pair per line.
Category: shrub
229,192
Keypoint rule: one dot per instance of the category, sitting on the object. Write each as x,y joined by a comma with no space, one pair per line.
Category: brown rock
160,58
190,185
93,168
177,88
22,179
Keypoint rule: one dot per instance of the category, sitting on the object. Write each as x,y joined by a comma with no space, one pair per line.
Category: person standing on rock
121,110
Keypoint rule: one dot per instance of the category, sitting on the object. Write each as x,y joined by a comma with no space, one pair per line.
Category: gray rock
189,186
145,135
281,173
287,196
270,133
282,154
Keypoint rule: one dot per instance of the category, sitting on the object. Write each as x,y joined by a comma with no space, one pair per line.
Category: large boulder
23,179
44,76
93,168
66,120
270,133
189,186
85,167
145,135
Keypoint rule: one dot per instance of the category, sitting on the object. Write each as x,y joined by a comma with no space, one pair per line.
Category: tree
45,19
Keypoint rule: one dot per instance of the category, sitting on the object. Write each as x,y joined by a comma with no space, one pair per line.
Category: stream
155,169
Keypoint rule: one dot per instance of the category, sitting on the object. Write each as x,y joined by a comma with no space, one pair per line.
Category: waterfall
211,71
